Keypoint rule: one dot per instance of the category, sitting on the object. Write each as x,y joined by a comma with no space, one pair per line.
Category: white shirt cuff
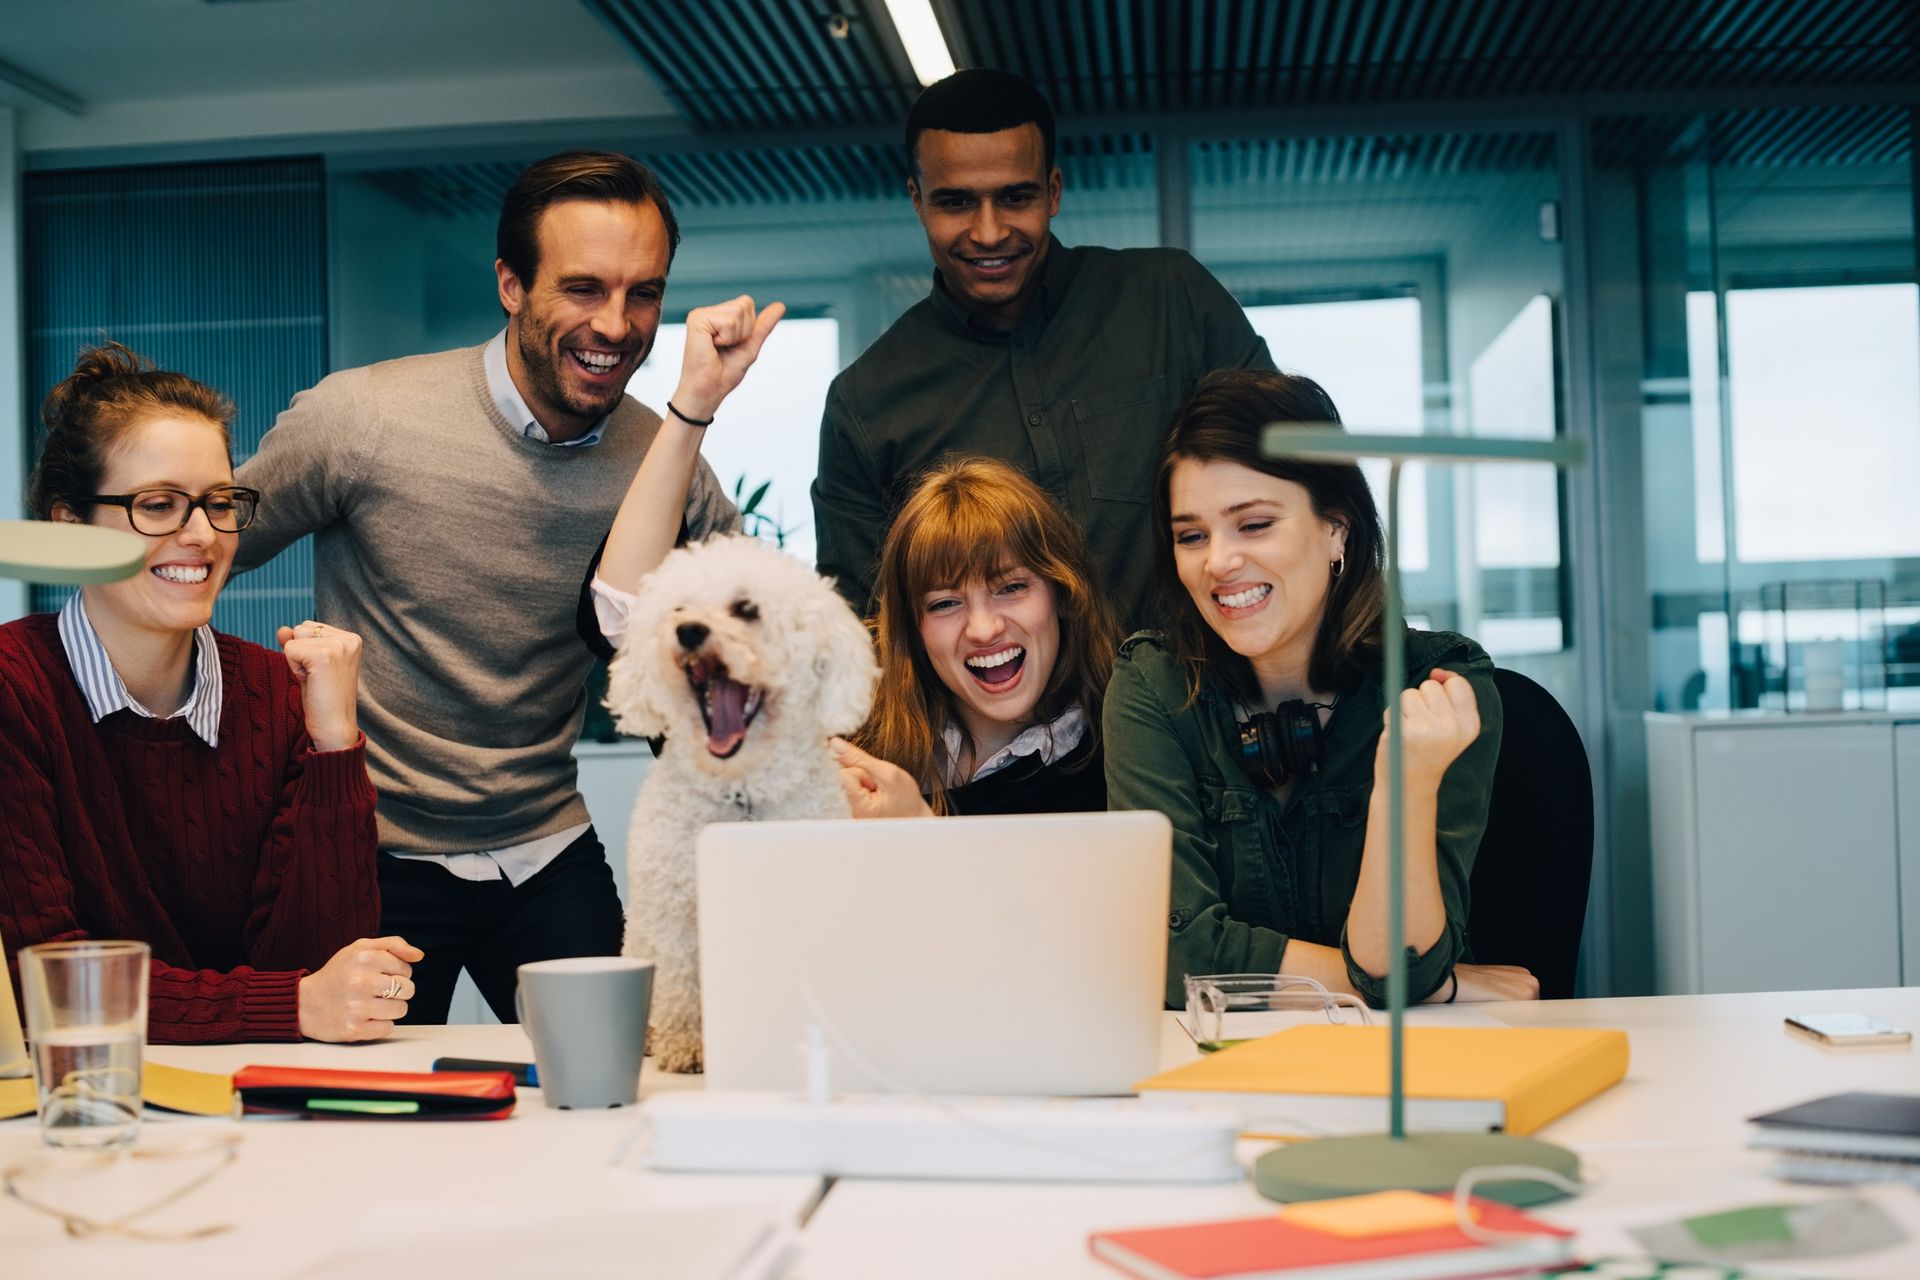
611,607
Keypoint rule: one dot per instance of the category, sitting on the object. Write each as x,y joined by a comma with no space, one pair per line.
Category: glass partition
1418,277
1781,391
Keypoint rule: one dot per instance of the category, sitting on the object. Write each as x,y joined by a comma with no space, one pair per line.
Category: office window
1511,393
1778,325
1366,353
1824,391
768,431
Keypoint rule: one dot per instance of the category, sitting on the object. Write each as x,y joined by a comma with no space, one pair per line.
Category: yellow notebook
193,1093
1318,1079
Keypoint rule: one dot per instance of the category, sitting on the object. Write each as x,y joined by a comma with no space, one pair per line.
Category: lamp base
1326,1167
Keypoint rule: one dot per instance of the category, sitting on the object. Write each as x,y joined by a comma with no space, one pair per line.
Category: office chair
1529,884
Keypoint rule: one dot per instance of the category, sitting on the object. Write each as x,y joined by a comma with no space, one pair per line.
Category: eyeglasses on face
159,512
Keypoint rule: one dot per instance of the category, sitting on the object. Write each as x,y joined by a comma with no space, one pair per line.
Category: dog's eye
746,611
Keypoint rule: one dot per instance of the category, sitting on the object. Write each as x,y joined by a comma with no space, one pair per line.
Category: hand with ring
361,992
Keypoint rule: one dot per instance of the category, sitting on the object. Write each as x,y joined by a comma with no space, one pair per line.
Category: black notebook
1879,1124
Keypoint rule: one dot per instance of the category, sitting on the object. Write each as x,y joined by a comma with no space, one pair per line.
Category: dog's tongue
726,715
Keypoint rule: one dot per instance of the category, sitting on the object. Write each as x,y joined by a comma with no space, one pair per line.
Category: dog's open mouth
726,705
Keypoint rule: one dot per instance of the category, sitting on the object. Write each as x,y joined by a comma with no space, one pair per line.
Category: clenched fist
326,663
1438,721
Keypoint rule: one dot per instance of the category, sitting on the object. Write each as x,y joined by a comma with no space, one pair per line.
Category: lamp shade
68,555
1315,442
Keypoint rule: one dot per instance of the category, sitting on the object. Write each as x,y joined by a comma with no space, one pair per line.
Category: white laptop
1002,955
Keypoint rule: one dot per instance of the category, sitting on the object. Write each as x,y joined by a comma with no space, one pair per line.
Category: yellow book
194,1093
1319,1078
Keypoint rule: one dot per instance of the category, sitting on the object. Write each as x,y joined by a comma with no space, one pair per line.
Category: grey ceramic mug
587,1017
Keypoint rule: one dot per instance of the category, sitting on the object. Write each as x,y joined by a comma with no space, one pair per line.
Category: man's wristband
1455,989
692,422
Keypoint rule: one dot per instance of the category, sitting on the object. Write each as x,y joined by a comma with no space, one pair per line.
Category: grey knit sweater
456,548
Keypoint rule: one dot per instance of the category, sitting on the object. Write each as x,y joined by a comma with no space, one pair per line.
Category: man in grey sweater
457,501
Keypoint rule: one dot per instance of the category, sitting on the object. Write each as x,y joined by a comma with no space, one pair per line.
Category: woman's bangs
966,546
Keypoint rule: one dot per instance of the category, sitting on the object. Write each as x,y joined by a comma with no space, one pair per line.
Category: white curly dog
747,661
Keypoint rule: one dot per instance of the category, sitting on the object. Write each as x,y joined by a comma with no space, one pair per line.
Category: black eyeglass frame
125,502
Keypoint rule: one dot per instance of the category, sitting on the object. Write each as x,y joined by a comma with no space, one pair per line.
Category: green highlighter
365,1106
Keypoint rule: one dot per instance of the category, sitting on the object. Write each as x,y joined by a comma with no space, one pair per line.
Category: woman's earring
1339,566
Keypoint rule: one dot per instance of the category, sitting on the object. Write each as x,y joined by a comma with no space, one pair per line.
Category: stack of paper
1844,1138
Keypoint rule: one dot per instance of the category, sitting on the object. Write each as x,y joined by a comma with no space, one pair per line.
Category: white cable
895,1085
1463,1195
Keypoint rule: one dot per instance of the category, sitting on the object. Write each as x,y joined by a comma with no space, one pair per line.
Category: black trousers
490,928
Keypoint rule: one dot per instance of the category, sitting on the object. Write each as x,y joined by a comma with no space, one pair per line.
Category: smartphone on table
1844,1029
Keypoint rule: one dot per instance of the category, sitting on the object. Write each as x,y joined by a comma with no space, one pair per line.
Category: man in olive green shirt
1065,362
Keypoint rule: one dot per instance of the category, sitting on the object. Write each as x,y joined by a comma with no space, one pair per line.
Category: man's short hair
977,100
604,176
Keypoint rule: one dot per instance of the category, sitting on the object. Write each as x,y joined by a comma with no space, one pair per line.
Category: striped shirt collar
107,693
1049,741
513,406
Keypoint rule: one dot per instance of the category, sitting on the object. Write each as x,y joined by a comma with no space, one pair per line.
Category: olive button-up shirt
1250,872
1078,396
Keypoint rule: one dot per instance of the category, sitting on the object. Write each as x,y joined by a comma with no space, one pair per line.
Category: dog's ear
631,682
844,668
633,689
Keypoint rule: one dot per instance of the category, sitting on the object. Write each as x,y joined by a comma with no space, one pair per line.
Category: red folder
1271,1246
440,1095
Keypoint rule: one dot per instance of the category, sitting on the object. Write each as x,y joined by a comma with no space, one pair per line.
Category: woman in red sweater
161,782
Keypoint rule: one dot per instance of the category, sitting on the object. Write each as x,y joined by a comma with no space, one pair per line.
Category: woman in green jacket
1274,576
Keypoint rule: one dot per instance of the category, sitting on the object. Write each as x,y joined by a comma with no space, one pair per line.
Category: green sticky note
1755,1224
365,1106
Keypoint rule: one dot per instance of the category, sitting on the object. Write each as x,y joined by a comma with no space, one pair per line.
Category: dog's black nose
692,635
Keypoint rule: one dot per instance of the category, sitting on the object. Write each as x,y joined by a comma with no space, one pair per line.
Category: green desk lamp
68,555
1325,1167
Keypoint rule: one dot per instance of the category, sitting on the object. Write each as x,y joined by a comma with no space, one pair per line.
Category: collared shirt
1049,741
107,693
1078,395
515,864
513,405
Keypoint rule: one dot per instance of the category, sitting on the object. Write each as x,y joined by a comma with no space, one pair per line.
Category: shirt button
1033,419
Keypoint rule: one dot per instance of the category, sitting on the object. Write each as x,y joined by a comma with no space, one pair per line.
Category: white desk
1669,1140
300,1193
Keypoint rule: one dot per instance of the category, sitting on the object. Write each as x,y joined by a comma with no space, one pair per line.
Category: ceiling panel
788,175
759,63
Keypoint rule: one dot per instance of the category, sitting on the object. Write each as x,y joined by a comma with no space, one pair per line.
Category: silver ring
393,987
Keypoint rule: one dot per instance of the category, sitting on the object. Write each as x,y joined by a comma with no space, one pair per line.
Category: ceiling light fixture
920,33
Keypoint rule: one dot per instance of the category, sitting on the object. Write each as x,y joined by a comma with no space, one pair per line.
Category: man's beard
540,356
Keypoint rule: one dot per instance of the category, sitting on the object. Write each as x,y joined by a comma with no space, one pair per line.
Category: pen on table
524,1074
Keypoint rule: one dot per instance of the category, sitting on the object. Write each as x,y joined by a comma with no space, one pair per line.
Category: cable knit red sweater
244,867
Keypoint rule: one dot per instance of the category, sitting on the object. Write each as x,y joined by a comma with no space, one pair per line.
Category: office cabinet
1786,851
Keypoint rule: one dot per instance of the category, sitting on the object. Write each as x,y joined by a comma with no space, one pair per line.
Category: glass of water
87,1022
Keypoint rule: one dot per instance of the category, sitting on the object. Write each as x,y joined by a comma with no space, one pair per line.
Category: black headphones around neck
1277,746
